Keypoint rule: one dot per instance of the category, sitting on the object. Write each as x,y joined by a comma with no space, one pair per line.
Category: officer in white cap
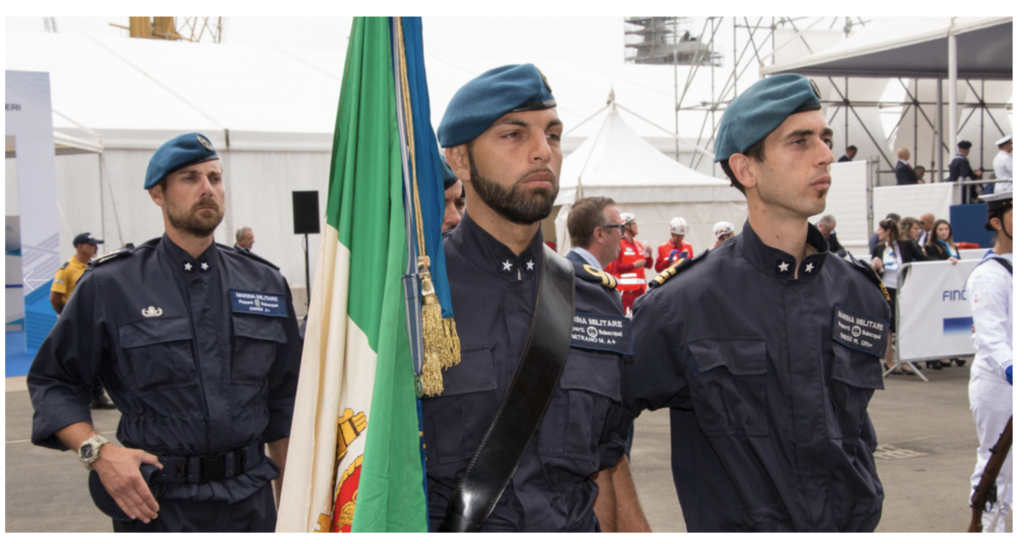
990,293
1003,164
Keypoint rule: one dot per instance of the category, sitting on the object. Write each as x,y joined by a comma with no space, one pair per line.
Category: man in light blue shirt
595,230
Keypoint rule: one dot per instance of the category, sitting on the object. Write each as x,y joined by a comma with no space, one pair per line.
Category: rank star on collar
809,268
204,266
188,266
529,264
506,266
783,267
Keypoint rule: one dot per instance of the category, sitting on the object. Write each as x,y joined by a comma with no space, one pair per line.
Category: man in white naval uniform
990,292
1003,164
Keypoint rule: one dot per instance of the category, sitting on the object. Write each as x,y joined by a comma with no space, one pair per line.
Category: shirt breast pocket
256,340
729,385
458,418
159,353
855,377
572,425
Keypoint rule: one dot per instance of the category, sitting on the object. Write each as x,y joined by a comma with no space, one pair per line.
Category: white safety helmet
678,226
627,217
722,228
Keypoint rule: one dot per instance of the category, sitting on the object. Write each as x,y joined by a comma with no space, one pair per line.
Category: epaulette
103,259
865,268
248,253
65,265
594,275
673,269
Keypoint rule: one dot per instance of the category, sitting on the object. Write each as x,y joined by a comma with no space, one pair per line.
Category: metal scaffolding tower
189,29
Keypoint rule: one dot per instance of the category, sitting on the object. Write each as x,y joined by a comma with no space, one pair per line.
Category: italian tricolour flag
354,460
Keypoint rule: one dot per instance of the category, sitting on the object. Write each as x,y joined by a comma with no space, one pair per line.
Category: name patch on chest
860,332
256,303
602,333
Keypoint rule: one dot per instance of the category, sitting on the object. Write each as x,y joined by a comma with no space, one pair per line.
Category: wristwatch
89,451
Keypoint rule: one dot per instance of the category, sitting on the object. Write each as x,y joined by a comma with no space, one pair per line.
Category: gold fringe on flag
441,346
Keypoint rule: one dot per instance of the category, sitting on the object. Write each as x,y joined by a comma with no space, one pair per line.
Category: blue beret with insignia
177,153
761,109
447,175
479,103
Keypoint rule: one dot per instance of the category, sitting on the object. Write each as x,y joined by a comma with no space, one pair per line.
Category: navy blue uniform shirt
769,422
493,294
190,374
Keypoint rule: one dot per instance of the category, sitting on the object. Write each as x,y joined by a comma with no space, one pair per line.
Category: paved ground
925,431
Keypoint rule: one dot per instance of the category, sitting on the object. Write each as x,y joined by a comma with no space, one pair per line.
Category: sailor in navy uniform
960,169
767,357
198,346
507,115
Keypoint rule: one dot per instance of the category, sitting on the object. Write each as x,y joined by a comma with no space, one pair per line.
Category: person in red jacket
629,264
675,249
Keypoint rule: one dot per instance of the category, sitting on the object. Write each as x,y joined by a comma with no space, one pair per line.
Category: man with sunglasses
595,230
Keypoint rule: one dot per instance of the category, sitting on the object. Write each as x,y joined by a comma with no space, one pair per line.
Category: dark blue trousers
257,514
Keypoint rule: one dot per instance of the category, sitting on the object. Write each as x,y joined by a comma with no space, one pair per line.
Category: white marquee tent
619,164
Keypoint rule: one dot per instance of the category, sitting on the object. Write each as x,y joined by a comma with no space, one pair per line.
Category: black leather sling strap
1006,265
524,403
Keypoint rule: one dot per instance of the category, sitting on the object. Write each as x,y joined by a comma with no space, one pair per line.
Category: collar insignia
152,312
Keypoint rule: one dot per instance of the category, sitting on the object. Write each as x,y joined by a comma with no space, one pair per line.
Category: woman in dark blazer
896,246
940,242
942,246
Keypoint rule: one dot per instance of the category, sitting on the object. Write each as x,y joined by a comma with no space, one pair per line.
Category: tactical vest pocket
159,352
256,340
855,377
456,420
572,425
729,385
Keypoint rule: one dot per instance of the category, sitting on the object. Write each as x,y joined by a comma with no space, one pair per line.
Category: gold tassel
441,346
433,339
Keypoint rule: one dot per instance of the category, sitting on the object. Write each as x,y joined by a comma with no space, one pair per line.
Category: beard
196,222
516,204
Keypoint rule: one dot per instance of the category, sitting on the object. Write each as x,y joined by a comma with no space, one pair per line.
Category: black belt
209,468
524,403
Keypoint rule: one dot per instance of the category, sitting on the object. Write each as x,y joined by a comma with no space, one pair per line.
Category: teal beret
447,175
761,109
177,153
482,101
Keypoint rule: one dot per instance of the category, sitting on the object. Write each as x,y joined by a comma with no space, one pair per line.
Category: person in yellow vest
64,283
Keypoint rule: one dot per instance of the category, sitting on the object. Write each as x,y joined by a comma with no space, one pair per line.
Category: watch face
86,451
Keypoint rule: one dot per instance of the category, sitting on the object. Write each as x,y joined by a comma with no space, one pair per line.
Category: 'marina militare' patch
602,333
860,332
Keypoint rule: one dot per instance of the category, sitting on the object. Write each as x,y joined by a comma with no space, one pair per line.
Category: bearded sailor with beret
197,344
527,428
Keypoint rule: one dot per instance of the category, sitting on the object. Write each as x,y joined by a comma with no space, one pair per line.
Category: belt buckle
213,468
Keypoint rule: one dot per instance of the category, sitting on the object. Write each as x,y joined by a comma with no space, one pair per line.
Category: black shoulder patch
869,273
117,253
248,253
674,269
65,265
594,275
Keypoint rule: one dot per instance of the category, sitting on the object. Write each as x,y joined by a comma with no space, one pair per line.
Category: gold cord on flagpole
441,346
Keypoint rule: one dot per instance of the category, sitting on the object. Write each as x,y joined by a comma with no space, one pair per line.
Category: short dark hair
755,152
585,215
851,148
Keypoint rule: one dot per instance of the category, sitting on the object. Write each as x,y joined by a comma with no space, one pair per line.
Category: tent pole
940,166
953,99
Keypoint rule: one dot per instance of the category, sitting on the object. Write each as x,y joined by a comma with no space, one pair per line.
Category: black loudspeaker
306,212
